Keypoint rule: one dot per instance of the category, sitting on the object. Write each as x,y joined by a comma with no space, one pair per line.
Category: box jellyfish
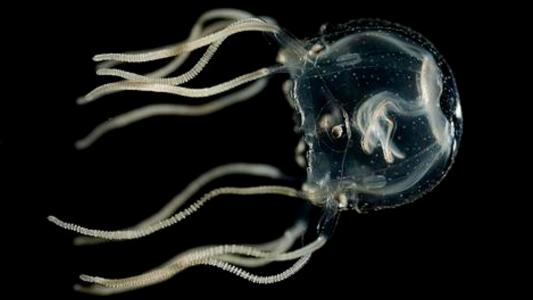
376,105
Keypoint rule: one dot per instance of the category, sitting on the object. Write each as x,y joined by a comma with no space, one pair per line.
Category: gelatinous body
379,111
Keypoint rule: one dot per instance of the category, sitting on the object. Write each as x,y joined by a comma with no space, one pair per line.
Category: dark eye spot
337,131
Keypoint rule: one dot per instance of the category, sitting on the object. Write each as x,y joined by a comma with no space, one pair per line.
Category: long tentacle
198,30
183,78
175,203
154,82
102,290
138,233
214,40
154,110
252,24
225,257
277,246
200,256
176,90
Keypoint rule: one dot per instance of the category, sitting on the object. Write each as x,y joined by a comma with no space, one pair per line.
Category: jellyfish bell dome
379,111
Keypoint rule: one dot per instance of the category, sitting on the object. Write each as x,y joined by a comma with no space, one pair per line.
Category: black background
435,246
